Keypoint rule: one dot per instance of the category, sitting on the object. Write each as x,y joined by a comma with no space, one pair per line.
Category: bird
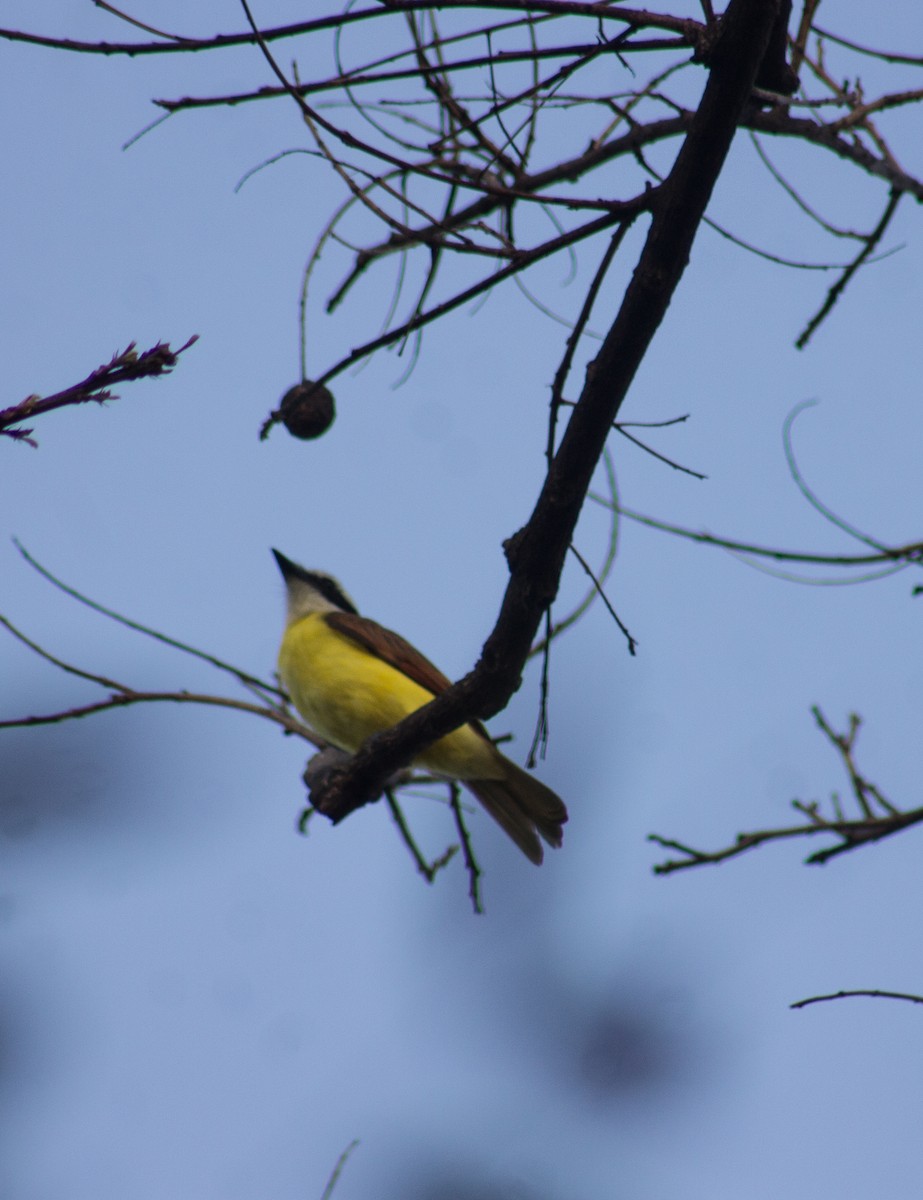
350,678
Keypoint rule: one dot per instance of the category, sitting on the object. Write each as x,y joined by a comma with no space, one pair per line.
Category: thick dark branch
536,554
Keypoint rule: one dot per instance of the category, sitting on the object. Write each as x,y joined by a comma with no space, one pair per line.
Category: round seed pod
307,410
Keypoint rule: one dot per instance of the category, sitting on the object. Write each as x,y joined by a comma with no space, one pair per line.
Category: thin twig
338,1169
801,483
243,676
129,20
850,833
619,428
540,736
122,696
873,992
632,642
428,870
911,553
889,56
471,863
564,367
861,258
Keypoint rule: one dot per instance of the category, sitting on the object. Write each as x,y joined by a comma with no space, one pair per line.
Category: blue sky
197,1002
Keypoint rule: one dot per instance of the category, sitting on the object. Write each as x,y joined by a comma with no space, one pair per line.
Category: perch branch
536,553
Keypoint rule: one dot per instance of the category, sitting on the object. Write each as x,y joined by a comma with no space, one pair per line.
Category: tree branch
878,817
873,992
634,18
122,368
536,553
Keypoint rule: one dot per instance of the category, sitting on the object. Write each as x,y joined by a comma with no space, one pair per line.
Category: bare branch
560,626
117,12
911,553
688,30
497,195
890,56
849,833
524,259
868,248
554,628
121,368
578,55
632,642
471,863
429,870
338,1169
244,677
894,558
620,428
536,554
781,123
873,992
122,696
801,483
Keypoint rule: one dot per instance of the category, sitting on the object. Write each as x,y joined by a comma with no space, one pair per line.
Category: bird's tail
523,807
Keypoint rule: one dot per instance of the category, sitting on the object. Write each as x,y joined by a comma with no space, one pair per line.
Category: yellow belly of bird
347,694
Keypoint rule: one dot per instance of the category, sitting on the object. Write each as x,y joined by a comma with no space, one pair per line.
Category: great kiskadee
349,677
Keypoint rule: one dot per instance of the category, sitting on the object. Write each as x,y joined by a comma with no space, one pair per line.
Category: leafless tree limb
249,681
905,555
419,320
891,558
875,993
338,1169
868,248
536,553
878,817
471,863
633,18
121,368
429,870
889,56
122,696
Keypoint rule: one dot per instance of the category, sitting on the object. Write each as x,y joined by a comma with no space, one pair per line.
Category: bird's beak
285,565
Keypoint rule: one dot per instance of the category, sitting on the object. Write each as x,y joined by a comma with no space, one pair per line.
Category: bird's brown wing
390,648
517,801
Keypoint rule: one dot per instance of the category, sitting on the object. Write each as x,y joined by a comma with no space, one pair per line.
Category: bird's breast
347,694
